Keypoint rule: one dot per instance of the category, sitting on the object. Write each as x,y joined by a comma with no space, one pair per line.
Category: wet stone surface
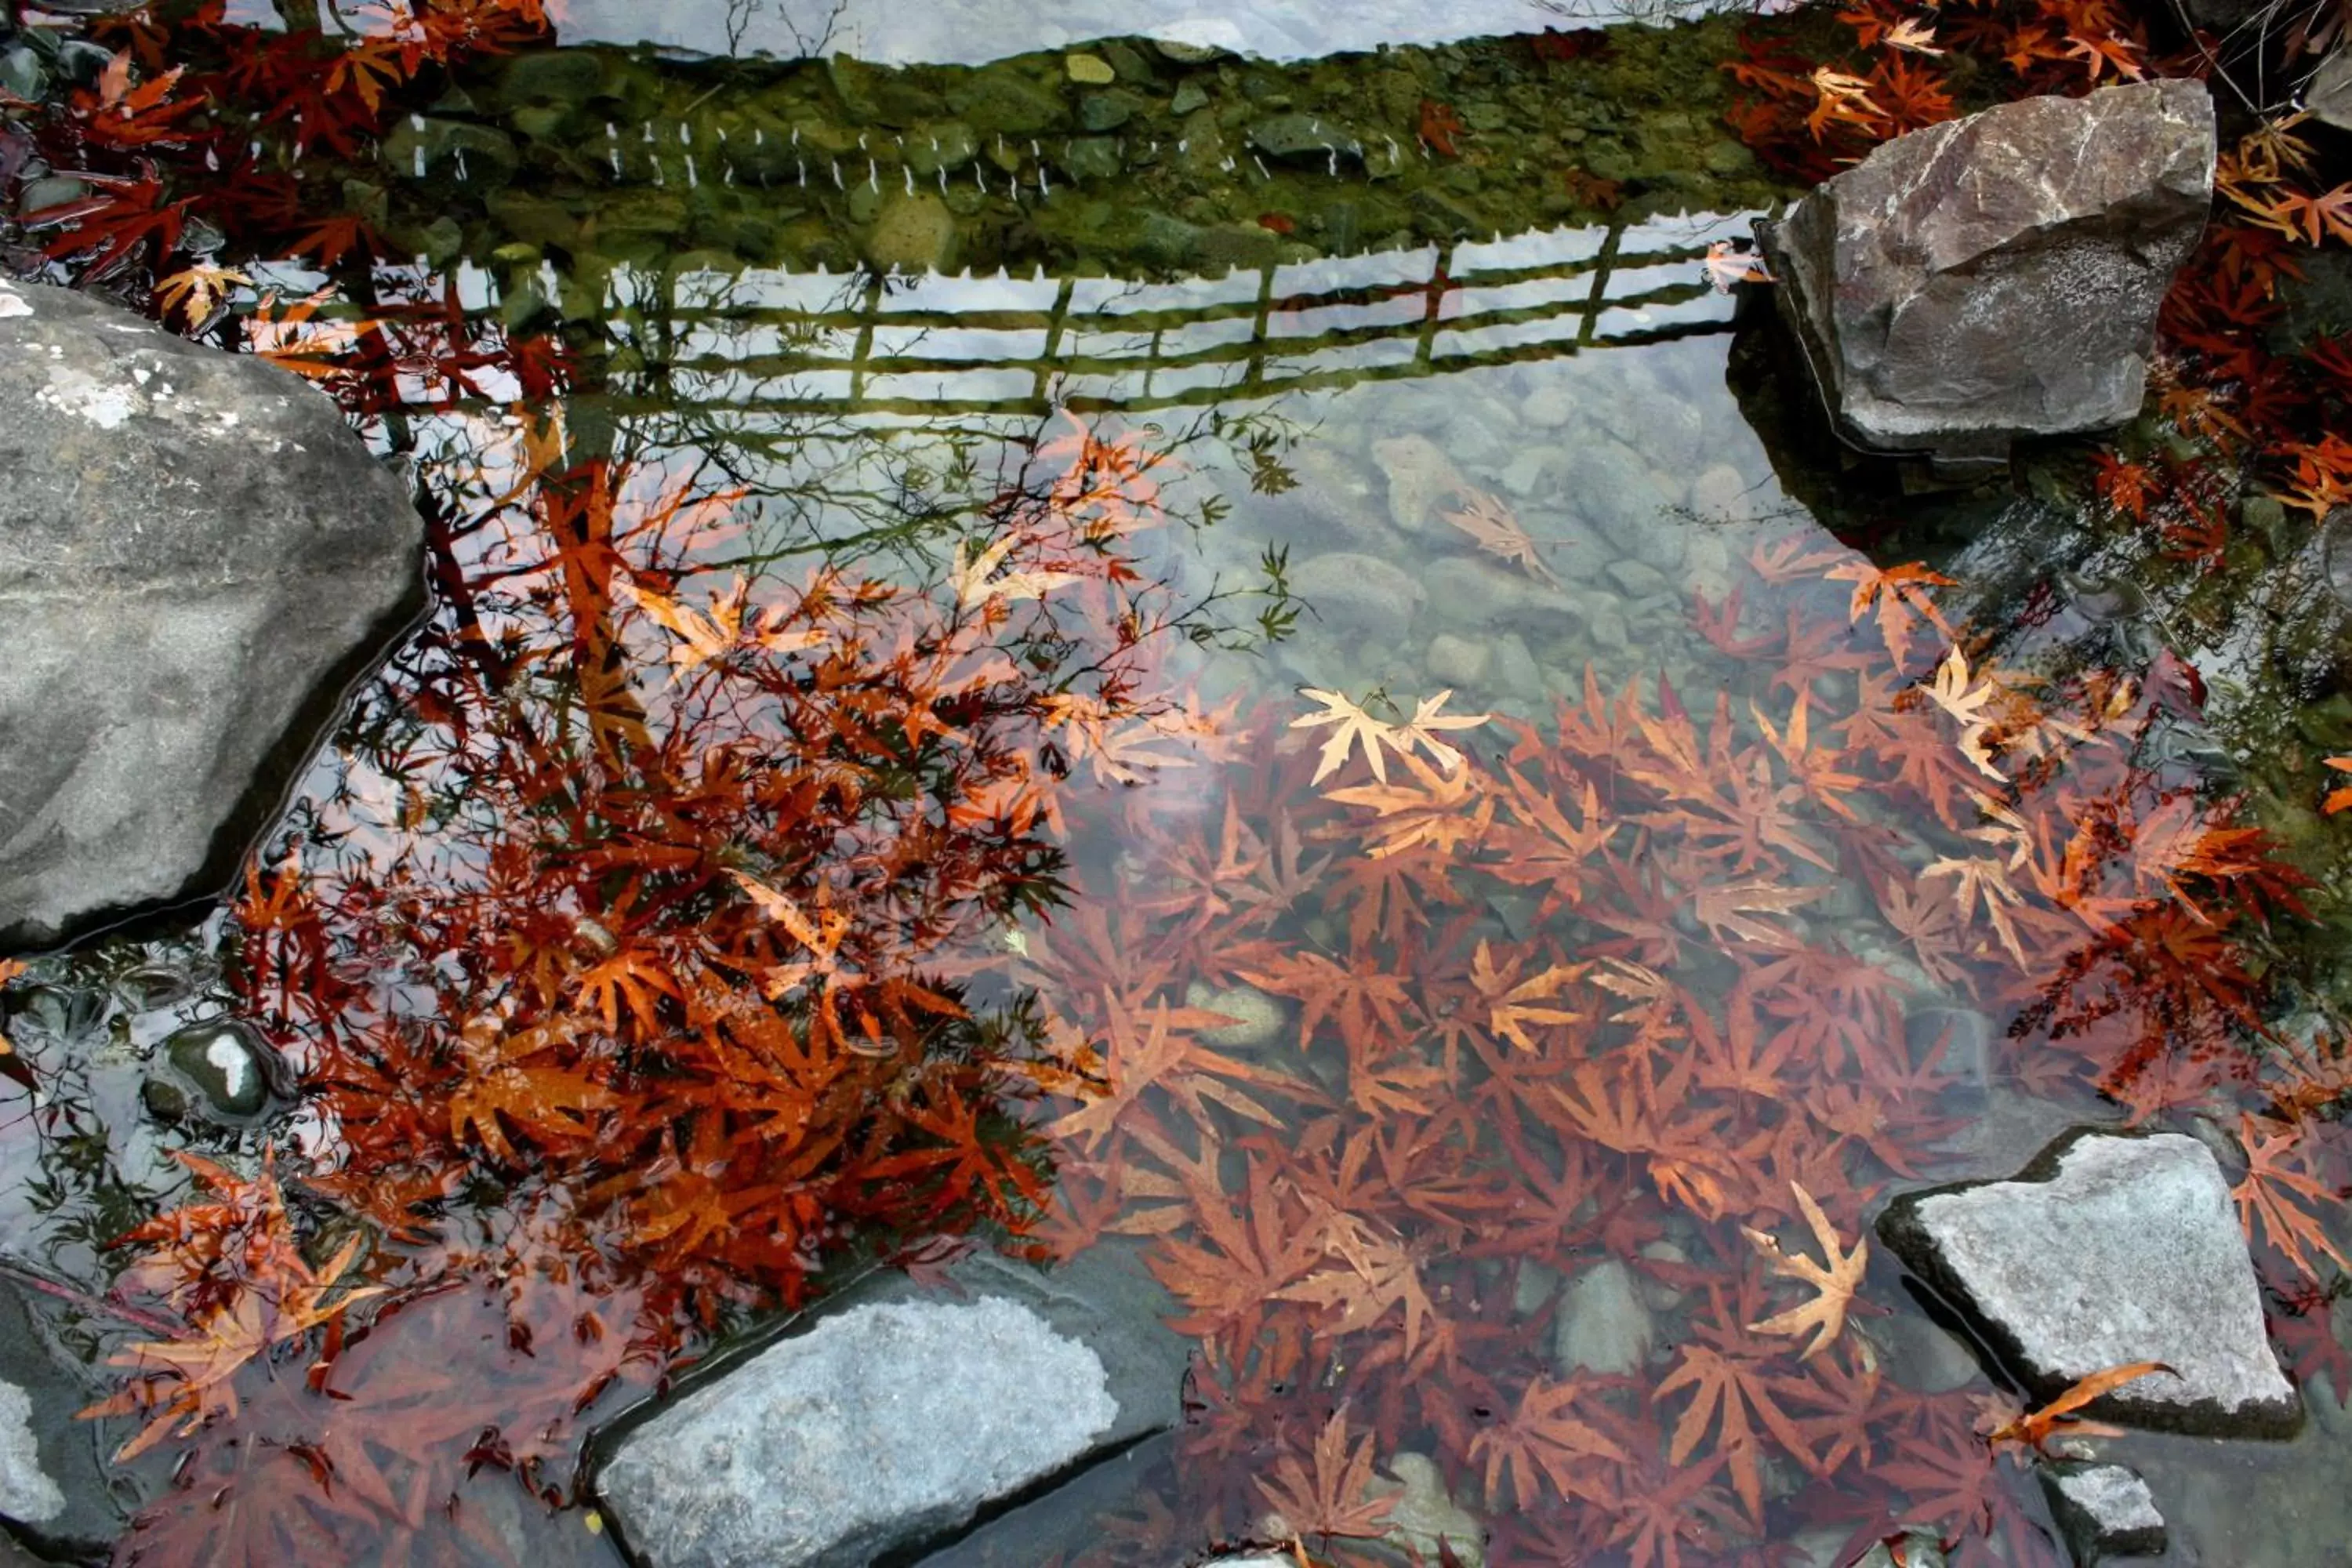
2106,1250
227,1066
53,1485
195,552
2102,1511
897,1417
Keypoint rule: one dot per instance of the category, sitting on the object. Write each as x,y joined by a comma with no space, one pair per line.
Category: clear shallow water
1608,435
1444,1134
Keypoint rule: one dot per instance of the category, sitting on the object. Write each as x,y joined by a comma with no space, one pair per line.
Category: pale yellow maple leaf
1985,882
1836,1279
196,291
1913,34
1418,731
1354,728
974,587
1957,692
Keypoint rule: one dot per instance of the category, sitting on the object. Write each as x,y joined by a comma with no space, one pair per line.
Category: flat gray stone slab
56,1488
2102,1511
198,554
2109,1249
897,1416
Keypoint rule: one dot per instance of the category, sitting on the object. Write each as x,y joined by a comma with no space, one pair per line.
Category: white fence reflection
770,345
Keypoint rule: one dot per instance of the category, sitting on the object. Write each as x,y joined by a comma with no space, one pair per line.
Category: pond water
972,32
1396,787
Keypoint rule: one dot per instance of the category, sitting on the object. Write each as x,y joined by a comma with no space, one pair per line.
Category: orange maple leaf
2340,798
2033,1429
1544,1437
1338,1499
2272,1194
1725,1393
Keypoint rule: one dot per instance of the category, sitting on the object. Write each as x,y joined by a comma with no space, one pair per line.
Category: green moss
1197,153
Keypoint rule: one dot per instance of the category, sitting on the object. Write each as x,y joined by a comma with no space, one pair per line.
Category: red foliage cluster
232,110
1584,999
1809,111
643,914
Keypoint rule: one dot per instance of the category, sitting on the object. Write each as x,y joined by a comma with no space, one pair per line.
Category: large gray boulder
196,555
890,1422
1998,276
2109,1249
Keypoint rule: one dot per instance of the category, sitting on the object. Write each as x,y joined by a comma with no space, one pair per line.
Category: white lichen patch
137,389
26,1492
78,393
13,303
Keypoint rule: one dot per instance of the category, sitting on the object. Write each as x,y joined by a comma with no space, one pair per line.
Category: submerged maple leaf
239,1271
1356,728
1366,1271
1727,908
2271,1188
1836,1279
1544,1437
1337,1499
1900,595
1490,522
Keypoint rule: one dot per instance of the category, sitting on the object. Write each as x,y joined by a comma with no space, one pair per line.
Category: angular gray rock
196,555
2109,1249
897,1417
1998,276
2102,1511
55,1487
2328,95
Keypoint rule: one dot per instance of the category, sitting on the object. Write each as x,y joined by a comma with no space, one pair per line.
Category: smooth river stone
876,1429
890,1423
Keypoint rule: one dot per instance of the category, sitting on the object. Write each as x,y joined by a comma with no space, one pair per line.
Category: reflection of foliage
1819,92
638,904
235,1271
675,922
80,1184
234,109
1742,917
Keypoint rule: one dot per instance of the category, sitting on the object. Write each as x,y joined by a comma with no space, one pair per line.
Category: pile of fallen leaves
1681,994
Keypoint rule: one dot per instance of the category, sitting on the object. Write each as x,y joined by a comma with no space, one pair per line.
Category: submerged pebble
1258,1019
224,1063
1602,1325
